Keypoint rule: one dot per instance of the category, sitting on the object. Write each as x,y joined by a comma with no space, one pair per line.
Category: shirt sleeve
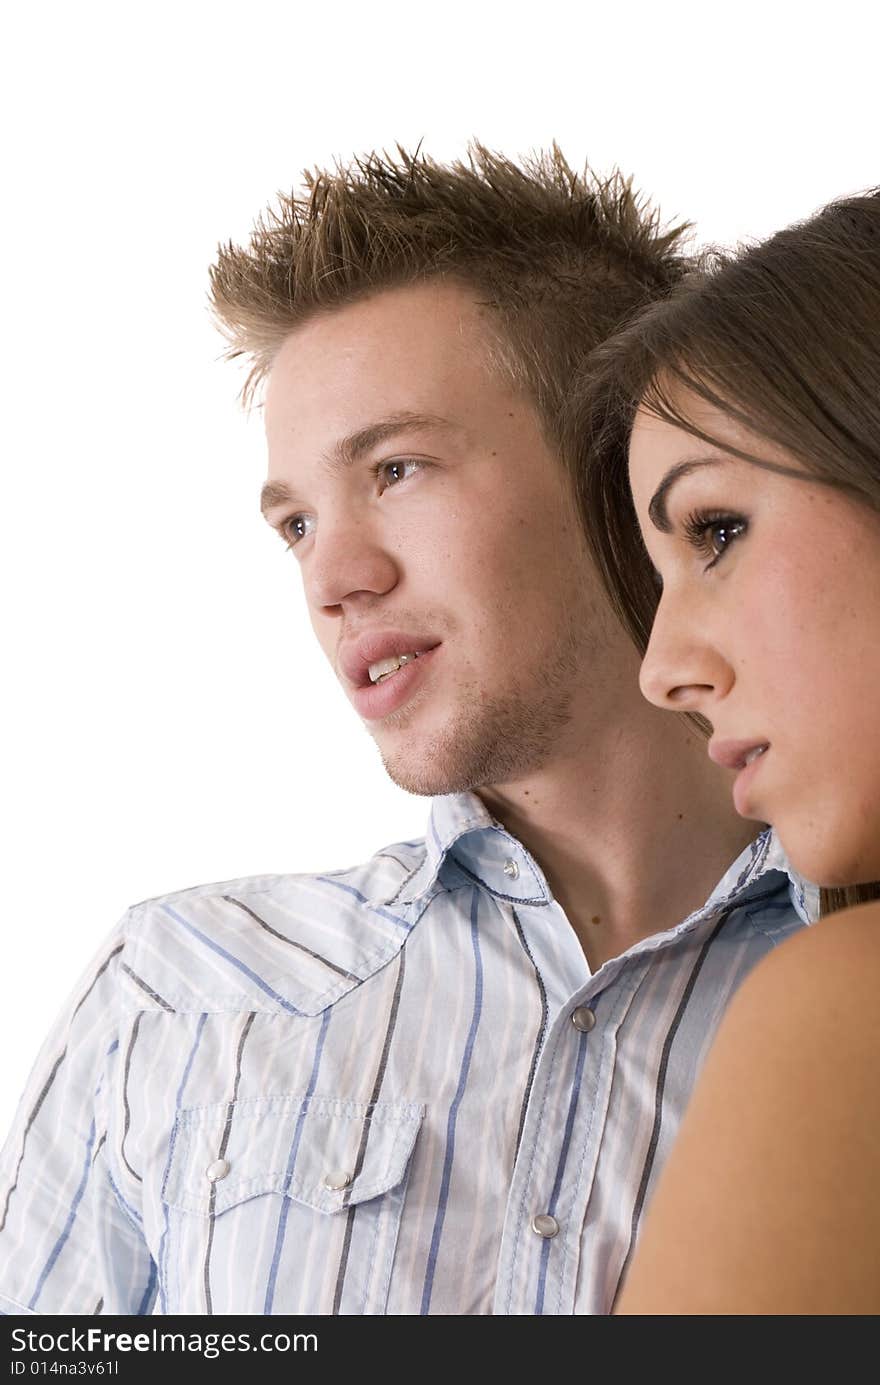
68,1242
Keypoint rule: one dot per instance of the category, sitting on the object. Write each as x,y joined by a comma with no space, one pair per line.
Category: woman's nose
683,671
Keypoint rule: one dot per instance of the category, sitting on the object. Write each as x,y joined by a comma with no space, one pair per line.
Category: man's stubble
497,739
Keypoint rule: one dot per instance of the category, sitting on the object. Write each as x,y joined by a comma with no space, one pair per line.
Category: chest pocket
284,1205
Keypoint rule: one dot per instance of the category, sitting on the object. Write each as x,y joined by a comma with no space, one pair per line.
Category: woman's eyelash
712,532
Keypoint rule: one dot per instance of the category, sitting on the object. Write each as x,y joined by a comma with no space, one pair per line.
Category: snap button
583,1018
219,1169
337,1180
545,1225
511,868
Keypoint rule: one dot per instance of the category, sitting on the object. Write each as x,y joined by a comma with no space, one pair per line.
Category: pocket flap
322,1152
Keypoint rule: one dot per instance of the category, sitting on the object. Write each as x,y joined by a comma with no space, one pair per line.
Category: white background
165,718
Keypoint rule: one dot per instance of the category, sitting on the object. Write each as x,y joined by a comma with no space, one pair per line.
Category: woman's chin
831,862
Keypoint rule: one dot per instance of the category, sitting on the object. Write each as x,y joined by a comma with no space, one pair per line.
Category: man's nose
348,557
683,670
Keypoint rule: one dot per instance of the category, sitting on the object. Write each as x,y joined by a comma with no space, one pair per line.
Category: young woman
731,445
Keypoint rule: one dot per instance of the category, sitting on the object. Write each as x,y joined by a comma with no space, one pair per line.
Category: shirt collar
462,832
763,856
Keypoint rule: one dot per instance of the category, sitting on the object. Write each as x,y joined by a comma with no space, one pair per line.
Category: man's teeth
386,667
753,754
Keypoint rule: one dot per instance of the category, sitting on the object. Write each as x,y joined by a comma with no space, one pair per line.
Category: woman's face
769,625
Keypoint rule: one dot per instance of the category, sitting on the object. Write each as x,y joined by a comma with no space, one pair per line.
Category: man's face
430,518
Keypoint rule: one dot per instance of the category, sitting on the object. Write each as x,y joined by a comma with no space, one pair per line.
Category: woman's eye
296,528
713,534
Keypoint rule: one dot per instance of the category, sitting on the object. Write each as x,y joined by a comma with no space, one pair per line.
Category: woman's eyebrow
657,512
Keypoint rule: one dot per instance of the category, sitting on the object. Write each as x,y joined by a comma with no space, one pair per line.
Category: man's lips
376,701
736,754
355,656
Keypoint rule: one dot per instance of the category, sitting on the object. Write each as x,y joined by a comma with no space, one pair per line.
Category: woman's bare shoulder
804,1028
835,959
769,1200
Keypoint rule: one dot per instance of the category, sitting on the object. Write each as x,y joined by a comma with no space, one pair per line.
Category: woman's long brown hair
784,338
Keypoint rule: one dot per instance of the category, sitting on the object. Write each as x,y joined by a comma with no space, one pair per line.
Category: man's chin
459,760
426,778
482,740
441,762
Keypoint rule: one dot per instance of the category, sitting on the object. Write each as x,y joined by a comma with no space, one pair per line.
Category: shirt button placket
545,1225
583,1018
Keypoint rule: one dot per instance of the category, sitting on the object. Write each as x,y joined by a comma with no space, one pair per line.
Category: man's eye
391,473
296,528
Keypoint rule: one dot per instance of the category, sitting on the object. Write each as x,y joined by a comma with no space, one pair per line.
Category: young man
443,1081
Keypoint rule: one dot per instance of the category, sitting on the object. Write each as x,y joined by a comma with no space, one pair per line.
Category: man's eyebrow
350,449
274,493
657,512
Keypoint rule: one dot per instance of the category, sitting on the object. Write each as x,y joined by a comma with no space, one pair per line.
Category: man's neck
632,832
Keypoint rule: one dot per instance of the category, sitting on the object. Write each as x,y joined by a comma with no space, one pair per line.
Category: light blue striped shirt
395,1089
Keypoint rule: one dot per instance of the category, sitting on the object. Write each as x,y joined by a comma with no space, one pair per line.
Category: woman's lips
746,757
736,754
743,783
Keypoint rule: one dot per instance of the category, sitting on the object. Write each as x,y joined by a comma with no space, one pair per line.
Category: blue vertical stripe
291,1164
71,1218
560,1167
163,1244
453,1110
144,1306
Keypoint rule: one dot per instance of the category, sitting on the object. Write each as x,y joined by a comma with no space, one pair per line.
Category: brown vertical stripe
221,1152
127,1123
542,1029
658,1096
49,1080
359,1162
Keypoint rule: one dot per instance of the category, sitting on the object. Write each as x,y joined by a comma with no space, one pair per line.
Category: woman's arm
770,1202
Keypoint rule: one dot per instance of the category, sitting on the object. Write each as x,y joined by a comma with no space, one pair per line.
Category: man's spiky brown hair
563,258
